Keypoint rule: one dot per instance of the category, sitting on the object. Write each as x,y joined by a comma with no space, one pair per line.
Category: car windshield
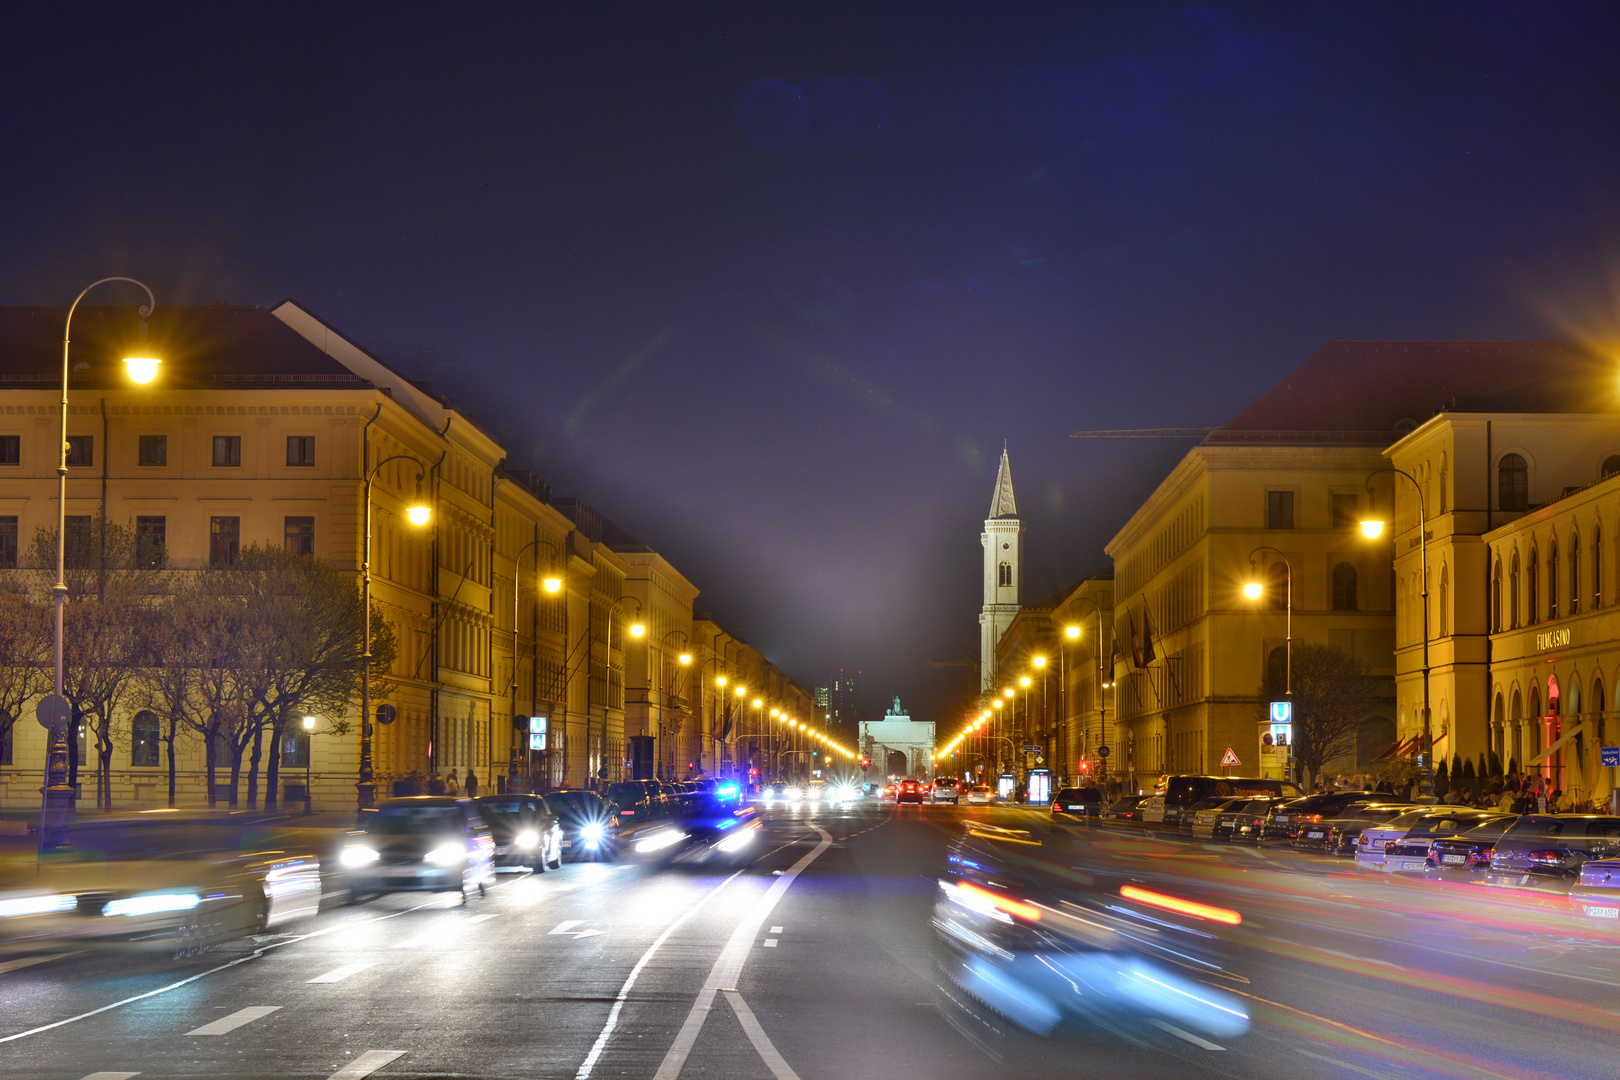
573,803
506,805
626,794
414,820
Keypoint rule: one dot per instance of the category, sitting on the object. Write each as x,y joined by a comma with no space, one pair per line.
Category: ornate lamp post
1372,529
1254,590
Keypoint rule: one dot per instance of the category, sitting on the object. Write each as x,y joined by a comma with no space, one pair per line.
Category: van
1175,794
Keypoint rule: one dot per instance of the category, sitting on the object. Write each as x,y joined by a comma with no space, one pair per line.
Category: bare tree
186,674
24,654
1333,695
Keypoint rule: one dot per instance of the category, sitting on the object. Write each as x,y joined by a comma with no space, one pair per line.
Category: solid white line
235,1020
756,1035
1185,1035
770,943
480,918
366,1064
341,973
624,991
111,1076
729,965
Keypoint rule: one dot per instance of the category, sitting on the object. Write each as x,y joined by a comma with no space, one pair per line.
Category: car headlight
737,840
659,840
846,793
38,905
528,838
592,833
152,904
446,855
357,855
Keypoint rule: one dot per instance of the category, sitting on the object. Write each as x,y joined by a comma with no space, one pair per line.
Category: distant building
897,745
1003,544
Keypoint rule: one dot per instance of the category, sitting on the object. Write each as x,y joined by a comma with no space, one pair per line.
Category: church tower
1003,542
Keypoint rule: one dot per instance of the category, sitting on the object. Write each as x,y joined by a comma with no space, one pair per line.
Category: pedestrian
472,784
451,787
435,785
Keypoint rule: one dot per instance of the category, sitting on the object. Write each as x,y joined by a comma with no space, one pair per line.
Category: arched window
1611,465
1552,580
1344,587
1496,598
1513,592
144,739
1005,578
1574,573
1512,484
1532,613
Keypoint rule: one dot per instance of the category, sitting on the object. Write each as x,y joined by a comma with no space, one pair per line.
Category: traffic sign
385,714
1282,712
1610,755
53,712
1103,752
537,725
1229,758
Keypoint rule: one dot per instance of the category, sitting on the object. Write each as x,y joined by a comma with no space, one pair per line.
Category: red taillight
1310,819
1389,846
1485,855
1056,809
627,813
1546,857
1003,903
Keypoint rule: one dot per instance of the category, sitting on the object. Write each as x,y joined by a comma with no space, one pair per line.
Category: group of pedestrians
419,783
1516,793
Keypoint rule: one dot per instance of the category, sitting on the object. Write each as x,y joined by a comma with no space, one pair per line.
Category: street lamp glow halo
1072,631
1372,528
141,369
686,658
1040,661
1252,590
637,629
418,515
551,584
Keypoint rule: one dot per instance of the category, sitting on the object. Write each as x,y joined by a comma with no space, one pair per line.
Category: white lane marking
624,991
770,943
729,964
366,1064
235,1020
341,973
1185,1035
480,918
776,929
189,979
30,961
566,925
756,1035
111,1076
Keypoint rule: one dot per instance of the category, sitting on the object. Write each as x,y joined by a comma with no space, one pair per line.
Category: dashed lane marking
230,1023
366,1064
111,1076
30,961
770,943
776,929
341,973
1185,1036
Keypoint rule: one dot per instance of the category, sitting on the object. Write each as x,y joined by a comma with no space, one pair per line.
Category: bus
1174,794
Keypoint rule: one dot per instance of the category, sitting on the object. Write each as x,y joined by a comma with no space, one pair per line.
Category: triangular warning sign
1229,758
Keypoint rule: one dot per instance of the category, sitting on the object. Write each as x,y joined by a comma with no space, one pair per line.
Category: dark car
1127,809
1410,853
1078,803
1549,850
423,843
1338,836
1249,822
715,825
525,832
638,801
1204,818
1467,855
910,791
590,826
1287,818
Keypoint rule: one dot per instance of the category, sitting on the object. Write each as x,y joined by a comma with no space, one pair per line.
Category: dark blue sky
769,283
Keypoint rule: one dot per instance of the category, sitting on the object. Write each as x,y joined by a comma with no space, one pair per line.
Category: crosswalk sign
1229,758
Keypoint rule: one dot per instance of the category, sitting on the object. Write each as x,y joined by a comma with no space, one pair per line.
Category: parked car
1410,854
638,801
1205,815
946,789
910,791
1338,836
420,843
590,826
1287,818
1177,794
979,795
1249,823
1595,892
1376,840
1549,850
1127,809
524,830
1467,855
1078,803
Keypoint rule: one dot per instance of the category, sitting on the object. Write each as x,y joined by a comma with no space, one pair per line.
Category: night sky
769,284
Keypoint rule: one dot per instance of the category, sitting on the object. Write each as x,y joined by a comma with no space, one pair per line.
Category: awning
1402,748
1560,741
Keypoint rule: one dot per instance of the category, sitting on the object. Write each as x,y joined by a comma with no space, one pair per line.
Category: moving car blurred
638,801
1127,809
1549,850
778,792
1467,855
910,791
1078,804
590,827
1410,854
1207,814
524,830
421,843
946,789
715,826
979,795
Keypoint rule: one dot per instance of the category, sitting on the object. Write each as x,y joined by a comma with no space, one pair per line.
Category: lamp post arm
1288,640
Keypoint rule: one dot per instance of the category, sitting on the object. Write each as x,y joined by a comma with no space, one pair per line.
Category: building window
77,548
8,542
81,450
154,450
1344,587
1279,509
1552,581
143,743
227,451
300,535
1611,465
151,540
300,449
1512,484
295,750
1575,573
1496,598
1532,607
224,540
1004,576
1344,511
10,449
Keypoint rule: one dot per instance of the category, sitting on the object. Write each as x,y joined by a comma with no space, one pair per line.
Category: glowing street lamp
1372,529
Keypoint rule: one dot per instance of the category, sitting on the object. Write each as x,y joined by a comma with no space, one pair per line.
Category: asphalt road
817,961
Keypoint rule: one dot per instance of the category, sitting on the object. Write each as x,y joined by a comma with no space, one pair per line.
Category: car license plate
1454,858
1314,835
1604,912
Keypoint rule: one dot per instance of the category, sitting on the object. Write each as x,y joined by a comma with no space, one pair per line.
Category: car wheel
539,864
556,857
355,896
483,890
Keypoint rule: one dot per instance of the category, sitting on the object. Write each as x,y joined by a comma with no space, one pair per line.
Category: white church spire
1004,503
1003,543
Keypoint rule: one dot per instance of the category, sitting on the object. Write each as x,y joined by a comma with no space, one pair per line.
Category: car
1548,851
1410,854
1127,809
979,795
910,791
1207,814
890,791
638,801
1286,819
778,792
524,830
1466,856
1249,822
590,826
716,826
420,843
1174,795
946,789
1595,892
816,791
1078,804
1337,836
1375,840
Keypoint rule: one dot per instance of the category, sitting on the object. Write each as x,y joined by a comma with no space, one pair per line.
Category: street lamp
552,583
418,514
1254,590
1103,683
141,367
309,758
1372,529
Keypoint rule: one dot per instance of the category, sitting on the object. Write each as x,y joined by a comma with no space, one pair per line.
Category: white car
979,795
1375,841
946,789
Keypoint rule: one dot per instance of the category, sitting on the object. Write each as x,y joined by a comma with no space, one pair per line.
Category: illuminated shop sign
1553,639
